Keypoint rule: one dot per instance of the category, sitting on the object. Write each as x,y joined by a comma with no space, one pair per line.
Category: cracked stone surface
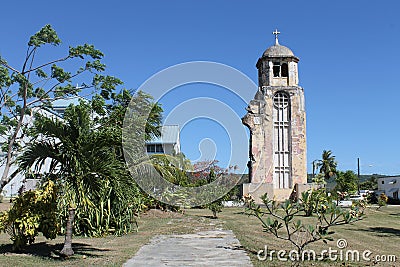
207,248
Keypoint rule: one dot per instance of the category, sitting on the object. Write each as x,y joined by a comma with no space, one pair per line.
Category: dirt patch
156,213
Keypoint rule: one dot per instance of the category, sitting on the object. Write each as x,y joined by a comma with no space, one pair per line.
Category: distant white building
390,185
167,143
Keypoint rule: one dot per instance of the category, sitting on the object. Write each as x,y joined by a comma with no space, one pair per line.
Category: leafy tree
319,179
97,192
145,121
202,169
370,184
215,206
37,84
140,104
346,181
206,172
172,168
327,165
177,170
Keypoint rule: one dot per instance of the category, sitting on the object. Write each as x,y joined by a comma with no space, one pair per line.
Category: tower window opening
281,140
284,70
277,69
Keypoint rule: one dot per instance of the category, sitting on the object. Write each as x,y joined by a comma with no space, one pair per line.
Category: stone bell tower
276,118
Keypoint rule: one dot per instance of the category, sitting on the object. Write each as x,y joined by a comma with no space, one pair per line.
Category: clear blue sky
348,50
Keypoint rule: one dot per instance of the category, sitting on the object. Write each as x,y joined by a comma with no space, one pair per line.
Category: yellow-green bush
32,212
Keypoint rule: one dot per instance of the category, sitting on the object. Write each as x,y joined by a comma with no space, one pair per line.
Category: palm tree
95,183
327,165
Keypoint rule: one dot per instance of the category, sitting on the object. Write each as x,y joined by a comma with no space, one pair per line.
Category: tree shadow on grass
240,212
204,216
381,231
52,251
209,217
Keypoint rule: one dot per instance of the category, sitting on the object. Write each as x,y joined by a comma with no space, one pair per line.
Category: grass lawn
379,232
107,251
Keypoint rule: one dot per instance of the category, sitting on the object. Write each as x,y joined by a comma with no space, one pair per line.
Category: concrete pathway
208,248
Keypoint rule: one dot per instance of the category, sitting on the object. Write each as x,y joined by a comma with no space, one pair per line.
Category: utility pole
11,194
358,175
313,168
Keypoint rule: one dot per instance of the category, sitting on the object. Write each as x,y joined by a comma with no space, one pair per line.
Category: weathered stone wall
260,122
298,137
256,190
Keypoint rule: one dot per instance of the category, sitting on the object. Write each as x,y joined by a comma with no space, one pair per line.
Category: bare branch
30,65
54,86
55,98
28,55
46,64
4,103
2,96
9,67
42,80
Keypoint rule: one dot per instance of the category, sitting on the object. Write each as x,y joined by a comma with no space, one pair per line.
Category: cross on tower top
276,33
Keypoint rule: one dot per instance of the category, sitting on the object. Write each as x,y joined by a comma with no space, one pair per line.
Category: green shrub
382,200
311,200
215,207
32,212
